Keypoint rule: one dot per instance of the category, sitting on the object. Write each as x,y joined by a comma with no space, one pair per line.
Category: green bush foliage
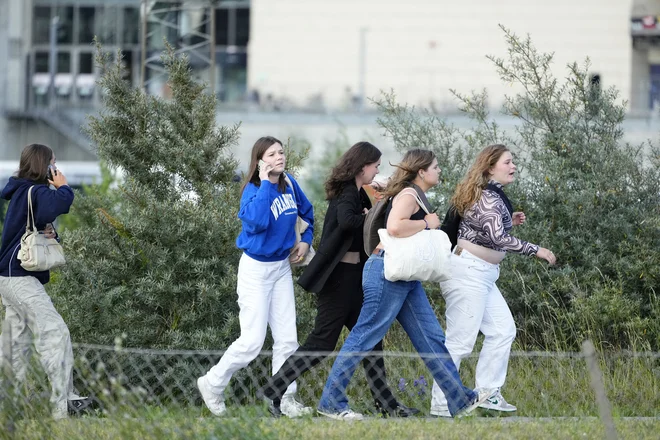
154,260
589,196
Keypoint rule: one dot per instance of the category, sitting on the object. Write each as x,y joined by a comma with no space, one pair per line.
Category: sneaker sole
470,409
335,416
302,413
444,414
496,408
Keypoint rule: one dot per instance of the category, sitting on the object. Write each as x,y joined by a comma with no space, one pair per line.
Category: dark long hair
349,166
258,150
34,162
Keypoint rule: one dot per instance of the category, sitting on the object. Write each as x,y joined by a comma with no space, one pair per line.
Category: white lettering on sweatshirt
283,203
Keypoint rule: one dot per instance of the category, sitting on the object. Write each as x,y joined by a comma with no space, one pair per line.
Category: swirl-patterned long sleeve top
488,223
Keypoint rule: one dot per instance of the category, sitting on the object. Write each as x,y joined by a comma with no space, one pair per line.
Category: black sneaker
77,405
273,406
400,410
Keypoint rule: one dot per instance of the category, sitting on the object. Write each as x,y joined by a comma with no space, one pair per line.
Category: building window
242,26
65,25
41,25
86,17
41,62
222,27
106,25
85,63
232,26
131,25
63,62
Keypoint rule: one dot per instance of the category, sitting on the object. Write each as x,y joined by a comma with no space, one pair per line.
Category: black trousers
338,305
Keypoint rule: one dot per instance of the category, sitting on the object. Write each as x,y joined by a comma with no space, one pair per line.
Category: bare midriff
351,258
490,255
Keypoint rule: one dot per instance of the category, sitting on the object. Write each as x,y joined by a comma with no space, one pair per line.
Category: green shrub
588,196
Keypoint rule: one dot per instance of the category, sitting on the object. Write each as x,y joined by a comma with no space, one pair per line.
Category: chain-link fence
153,394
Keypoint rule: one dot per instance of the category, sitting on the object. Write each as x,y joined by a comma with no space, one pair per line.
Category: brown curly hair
469,190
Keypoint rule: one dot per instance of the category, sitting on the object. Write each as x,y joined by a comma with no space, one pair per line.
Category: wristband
426,223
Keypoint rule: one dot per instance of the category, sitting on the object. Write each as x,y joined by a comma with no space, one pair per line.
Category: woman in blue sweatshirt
268,212
28,308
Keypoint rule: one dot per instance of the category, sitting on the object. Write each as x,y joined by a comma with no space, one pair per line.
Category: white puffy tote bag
420,257
38,253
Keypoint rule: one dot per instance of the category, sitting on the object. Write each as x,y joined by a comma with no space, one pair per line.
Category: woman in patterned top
474,303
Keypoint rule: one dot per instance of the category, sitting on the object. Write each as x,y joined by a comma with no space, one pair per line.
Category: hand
49,231
432,220
365,211
518,218
547,255
58,179
265,170
377,186
298,252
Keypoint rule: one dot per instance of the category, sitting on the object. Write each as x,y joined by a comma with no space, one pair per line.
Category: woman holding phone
335,275
268,212
28,308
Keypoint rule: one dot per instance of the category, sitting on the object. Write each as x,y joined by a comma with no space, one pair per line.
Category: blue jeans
385,301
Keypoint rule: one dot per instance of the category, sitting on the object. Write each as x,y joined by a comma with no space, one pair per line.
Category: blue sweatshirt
47,204
269,219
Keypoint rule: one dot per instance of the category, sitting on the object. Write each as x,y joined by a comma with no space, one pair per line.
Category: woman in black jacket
335,274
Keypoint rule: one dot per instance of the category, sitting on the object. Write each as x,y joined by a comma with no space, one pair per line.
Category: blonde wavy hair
407,170
469,190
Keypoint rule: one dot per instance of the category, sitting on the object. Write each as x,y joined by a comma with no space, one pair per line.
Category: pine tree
155,259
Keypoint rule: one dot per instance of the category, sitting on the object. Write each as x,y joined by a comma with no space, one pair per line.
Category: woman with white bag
385,301
480,222
28,308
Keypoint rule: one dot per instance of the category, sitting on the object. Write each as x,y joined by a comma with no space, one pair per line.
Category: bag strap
413,193
293,191
30,213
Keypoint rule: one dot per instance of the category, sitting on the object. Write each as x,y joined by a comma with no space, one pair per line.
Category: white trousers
30,313
265,298
474,303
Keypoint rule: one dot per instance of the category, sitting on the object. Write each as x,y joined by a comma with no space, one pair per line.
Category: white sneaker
440,411
344,415
214,402
483,395
497,403
290,407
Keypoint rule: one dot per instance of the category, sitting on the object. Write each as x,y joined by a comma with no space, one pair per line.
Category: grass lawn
195,427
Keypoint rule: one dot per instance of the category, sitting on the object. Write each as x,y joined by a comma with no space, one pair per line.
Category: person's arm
255,207
399,224
305,211
49,204
349,213
491,209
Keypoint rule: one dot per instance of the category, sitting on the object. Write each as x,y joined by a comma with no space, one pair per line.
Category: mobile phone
262,165
52,171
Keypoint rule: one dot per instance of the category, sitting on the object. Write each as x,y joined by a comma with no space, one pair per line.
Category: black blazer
342,221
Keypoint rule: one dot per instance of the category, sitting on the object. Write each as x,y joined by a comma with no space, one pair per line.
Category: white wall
19,18
302,47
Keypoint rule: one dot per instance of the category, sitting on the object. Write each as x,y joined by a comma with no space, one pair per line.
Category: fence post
604,407
7,380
